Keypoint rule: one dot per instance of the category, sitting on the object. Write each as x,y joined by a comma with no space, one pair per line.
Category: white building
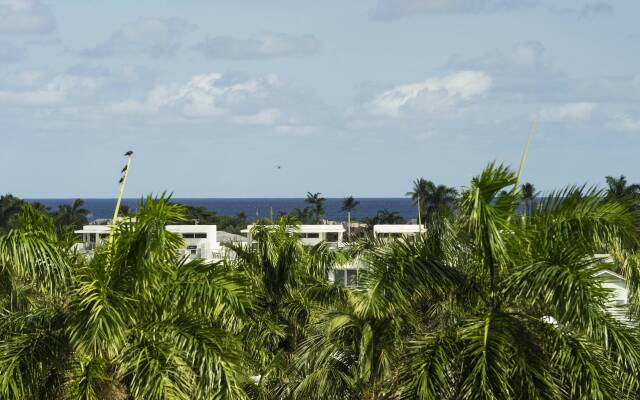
616,284
384,231
200,241
313,234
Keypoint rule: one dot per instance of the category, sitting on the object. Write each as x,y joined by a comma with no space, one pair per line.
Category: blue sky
348,97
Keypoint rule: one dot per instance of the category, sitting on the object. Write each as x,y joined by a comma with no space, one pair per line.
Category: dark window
188,235
92,238
339,277
332,237
311,235
200,235
352,277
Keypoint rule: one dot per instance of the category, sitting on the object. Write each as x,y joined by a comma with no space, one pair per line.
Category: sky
278,98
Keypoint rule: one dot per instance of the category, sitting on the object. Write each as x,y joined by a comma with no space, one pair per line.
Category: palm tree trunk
349,225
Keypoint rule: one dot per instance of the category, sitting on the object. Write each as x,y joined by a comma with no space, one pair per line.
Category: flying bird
128,153
279,166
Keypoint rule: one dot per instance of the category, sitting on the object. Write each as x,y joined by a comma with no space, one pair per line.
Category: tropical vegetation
434,202
348,205
487,303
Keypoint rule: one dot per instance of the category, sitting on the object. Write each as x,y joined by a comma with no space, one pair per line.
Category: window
352,277
311,235
339,277
194,235
193,250
332,237
346,277
92,238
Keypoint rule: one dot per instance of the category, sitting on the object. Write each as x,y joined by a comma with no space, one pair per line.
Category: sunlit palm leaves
134,321
486,304
492,306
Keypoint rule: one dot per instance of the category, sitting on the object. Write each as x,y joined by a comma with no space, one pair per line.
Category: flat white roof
317,228
191,228
94,229
604,257
171,228
404,228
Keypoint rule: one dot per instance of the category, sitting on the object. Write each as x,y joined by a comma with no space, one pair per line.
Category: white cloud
521,73
259,46
393,9
25,17
588,10
265,117
439,95
156,37
37,89
626,123
526,57
209,95
572,112
596,8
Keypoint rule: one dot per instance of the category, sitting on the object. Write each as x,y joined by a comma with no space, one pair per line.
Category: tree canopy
487,303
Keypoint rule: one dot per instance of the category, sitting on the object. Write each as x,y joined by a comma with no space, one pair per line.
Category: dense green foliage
66,217
488,303
202,216
434,201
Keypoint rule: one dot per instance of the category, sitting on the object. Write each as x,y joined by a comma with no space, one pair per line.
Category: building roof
317,228
191,228
227,237
610,274
171,228
399,228
94,229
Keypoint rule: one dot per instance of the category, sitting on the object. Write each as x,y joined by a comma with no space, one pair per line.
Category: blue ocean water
254,207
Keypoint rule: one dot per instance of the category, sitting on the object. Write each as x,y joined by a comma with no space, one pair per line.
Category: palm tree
287,279
132,322
487,306
528,193
491,308
348,205
619,189
385,216
434,201
316,201
9,207
304,216
74,214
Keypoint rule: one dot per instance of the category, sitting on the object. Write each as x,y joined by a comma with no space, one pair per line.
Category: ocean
254,207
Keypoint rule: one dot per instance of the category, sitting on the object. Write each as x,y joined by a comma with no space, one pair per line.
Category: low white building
312,234
200,241
617,285
391,230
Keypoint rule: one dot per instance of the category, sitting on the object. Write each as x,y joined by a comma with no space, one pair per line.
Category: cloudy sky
348,97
